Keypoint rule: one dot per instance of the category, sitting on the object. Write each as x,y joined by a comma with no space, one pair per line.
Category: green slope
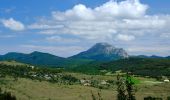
140,66
43,59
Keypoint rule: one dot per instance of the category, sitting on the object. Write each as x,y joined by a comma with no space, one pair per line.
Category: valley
84,50
85,76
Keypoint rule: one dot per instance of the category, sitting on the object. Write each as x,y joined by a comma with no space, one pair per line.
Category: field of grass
27,89
13,63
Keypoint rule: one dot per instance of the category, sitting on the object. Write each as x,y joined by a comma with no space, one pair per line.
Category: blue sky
66,27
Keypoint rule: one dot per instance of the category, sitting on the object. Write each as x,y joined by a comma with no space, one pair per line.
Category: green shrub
168,98
6,96
152,98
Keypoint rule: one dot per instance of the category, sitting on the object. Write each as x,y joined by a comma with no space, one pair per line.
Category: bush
69,79
6,96
168,98
152,98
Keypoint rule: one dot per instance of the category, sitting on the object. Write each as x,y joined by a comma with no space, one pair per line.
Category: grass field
13,63
26,89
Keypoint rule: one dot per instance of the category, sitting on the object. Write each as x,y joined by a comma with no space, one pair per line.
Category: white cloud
109,10
103,22
115,22
44,26
13,24
79,12
123,9
124,37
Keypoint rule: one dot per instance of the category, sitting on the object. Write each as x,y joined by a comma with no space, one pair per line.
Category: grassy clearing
26,89
12,63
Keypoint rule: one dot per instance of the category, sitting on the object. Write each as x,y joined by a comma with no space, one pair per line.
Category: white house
166,80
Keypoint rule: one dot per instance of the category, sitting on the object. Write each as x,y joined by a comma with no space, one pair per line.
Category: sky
67,27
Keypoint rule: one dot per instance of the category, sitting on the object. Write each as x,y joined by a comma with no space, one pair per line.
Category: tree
129,87
125,88
6,96
120,88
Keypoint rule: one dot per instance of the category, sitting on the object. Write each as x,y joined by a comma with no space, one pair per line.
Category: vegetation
43,59
38,82
32,72
125,88
120,89
152,67
141,66
90,68
6,96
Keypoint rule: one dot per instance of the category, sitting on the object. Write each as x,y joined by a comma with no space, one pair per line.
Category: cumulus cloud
93,23
109,11
103,22
13,24
118,22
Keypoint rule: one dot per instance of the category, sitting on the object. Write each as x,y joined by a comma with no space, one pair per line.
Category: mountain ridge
36,58
101,52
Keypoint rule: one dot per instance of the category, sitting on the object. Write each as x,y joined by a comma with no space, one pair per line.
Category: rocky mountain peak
103,51
103,48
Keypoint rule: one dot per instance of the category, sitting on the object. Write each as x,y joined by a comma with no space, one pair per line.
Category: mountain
35,58
43,59
102,52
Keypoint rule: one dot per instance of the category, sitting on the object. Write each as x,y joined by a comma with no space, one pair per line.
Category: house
166,80
103,82
47,77
32,67
87,84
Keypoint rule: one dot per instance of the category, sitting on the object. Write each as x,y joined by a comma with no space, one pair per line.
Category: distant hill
43,59
35,58
168,57
99,53
102,52
153,56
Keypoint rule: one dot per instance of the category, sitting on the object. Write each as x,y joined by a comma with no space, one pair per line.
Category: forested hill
140,66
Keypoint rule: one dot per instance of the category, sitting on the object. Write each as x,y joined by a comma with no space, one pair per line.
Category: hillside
12,63
43,59
35,58
141,66
99,52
